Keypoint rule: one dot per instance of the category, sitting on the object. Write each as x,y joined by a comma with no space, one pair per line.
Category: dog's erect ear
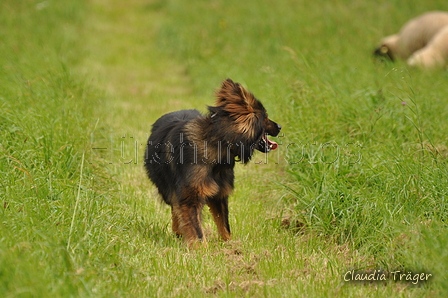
228,87
234,92
228,84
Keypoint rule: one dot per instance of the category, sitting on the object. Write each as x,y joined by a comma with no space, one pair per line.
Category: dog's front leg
220,211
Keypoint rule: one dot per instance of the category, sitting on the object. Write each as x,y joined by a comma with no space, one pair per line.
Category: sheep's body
435,54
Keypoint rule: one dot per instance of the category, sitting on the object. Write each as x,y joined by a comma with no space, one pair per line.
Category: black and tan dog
190,157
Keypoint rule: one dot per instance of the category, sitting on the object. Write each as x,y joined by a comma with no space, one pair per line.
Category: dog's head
272,129
244,120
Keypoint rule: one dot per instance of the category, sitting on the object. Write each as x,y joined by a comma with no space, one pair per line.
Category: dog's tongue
271,145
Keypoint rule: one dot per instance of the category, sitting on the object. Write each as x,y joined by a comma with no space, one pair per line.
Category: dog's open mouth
269,145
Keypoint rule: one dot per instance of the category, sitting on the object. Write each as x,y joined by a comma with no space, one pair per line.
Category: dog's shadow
159,232
161,235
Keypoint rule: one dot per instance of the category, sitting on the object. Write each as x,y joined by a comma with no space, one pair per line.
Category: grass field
359,181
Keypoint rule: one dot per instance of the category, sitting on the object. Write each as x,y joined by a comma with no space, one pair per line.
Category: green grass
359,180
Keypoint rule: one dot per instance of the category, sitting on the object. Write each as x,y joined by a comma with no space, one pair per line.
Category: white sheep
422,41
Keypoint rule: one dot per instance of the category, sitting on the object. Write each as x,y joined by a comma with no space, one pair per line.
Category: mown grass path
140,84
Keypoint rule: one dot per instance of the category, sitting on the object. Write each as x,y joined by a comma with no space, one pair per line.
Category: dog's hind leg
175,223
220,211
189,224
